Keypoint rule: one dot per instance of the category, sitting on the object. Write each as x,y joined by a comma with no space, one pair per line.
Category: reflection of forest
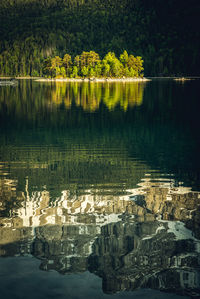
142,239
89,96
32,98
157,132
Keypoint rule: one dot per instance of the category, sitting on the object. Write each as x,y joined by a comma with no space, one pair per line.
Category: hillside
164,33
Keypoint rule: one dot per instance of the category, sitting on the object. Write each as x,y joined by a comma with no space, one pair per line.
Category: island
88,66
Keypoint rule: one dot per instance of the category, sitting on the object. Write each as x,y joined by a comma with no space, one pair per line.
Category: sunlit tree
67,64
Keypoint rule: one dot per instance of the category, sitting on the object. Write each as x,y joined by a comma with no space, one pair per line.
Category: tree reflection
28,100
90,95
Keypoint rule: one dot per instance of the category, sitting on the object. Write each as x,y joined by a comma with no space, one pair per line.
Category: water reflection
90,95
87,95
152,199
130,240
115,192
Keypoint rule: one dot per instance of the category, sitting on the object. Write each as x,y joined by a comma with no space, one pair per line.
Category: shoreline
19,78
94,80
42,79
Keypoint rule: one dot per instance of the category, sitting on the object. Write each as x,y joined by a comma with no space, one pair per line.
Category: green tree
136,64
63,72
74,73
91,72
116,67
67,63
105,69
124,58
84,71
98,69
47,70
56,63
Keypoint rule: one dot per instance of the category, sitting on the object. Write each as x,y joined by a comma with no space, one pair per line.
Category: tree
98,69
67,64
74,73
116,67
105,69
89,64
91,72
136,64
84,71
124,58
47,70
63,72
56,63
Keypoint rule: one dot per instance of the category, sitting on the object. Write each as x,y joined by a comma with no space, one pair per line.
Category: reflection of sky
21,278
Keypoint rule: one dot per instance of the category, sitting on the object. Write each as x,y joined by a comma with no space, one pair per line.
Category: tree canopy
164,34
89,64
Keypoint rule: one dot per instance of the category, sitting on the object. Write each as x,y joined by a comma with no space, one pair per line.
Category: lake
100,189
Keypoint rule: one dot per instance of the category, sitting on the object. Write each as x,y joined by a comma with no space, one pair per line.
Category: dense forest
89,64
164,33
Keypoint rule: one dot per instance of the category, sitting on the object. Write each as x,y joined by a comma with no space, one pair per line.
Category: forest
164,33
89,64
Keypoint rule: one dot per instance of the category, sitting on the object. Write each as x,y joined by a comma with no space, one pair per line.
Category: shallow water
100,189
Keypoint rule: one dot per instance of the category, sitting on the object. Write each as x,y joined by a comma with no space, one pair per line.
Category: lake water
100,190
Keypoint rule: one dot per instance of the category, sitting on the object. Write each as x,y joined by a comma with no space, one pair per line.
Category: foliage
165,34
89,64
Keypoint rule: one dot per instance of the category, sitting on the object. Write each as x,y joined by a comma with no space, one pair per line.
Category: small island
89,67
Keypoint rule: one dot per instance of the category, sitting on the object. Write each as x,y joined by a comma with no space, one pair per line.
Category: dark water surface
100,190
